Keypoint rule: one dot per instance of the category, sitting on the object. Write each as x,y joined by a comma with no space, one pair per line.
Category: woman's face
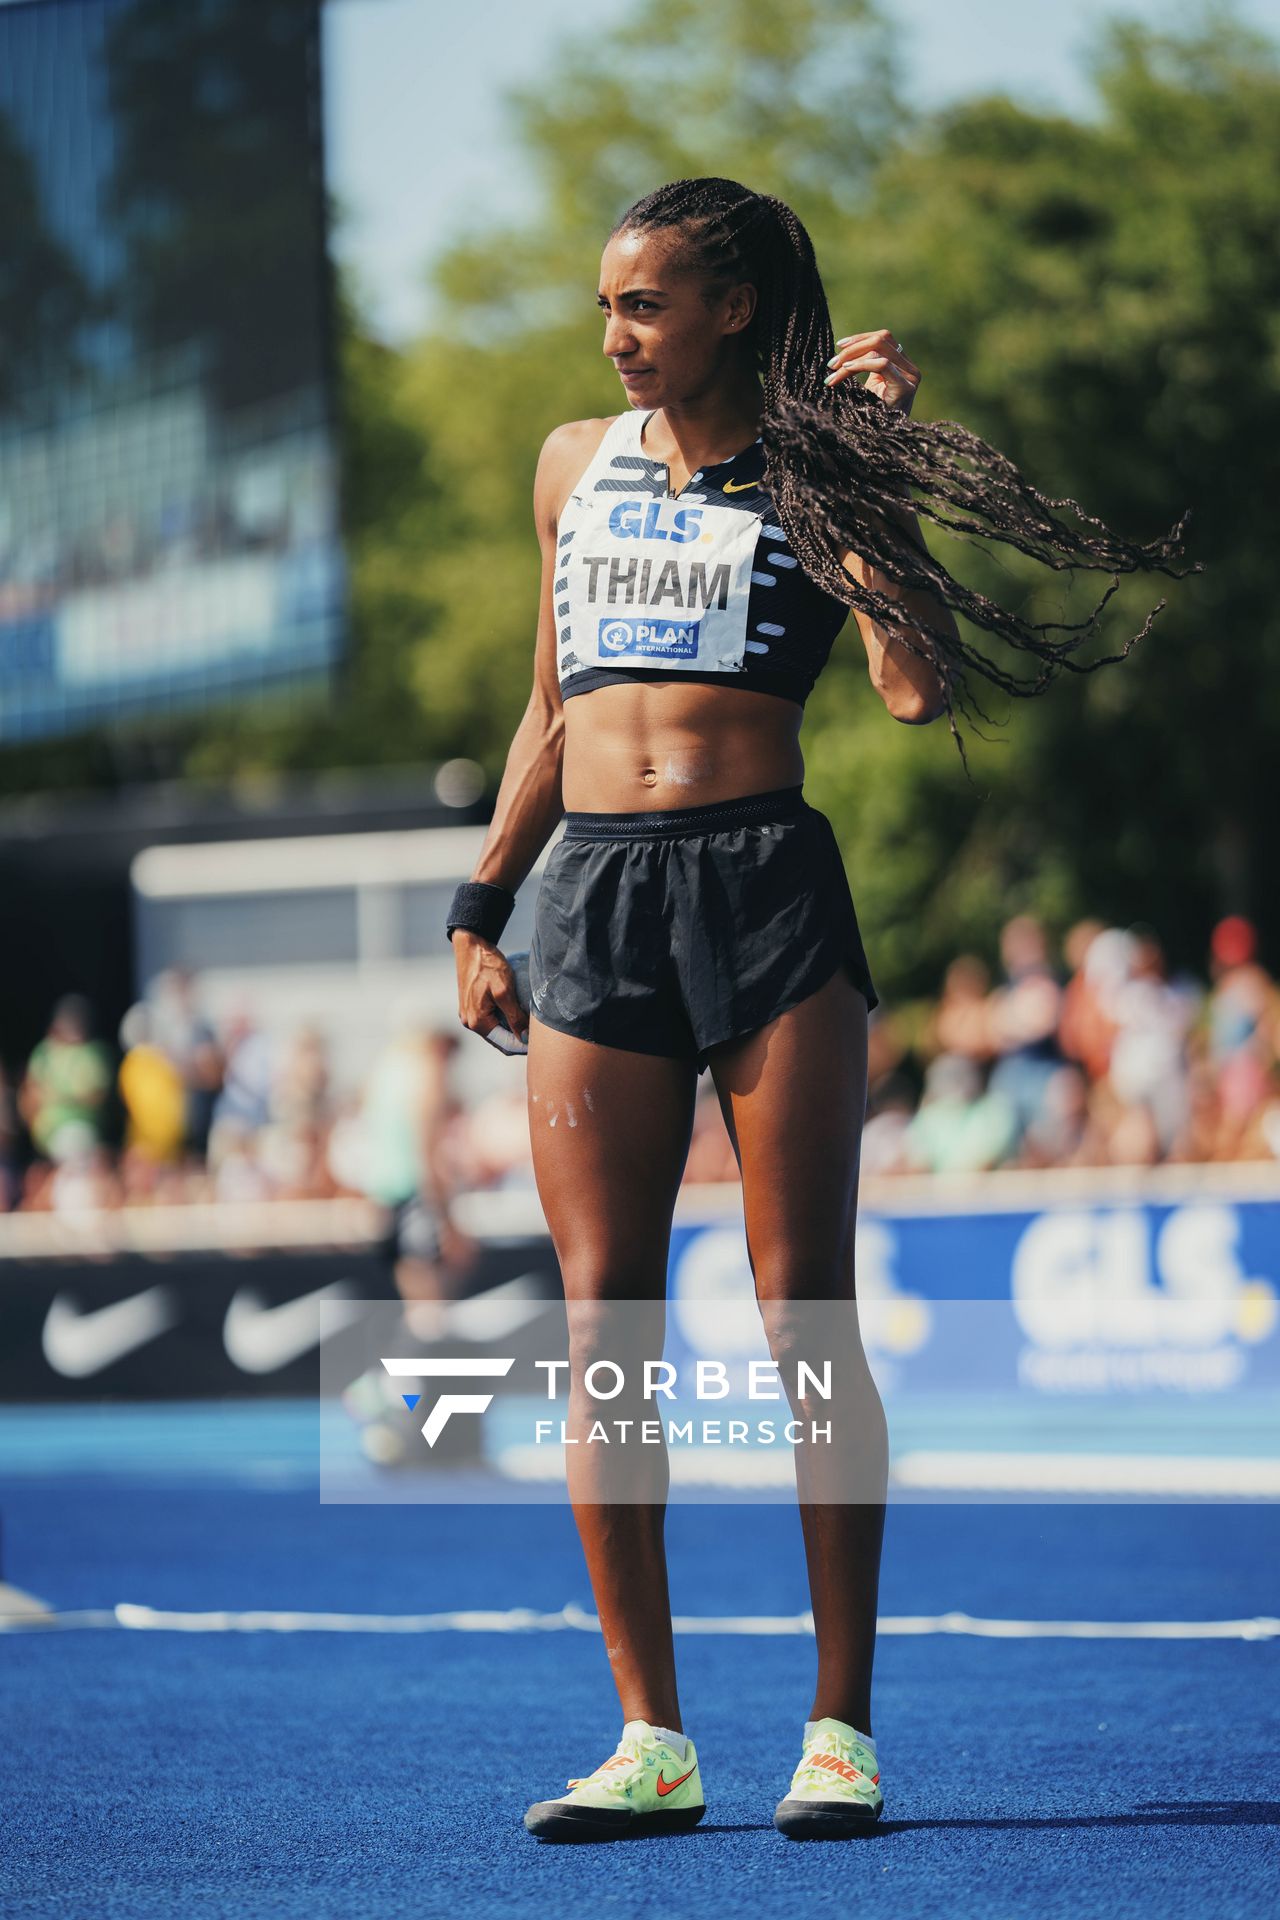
666,342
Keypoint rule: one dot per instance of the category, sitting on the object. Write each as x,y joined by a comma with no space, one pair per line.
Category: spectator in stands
84,1180
1241,1021
1085,1029
959,1127
398,1150
1128,1128
241,1112
235,1167
1260,1139
1024,1016
1122,1066
890,1107
1060,1133
1201,1136
69,1075
245,1096
962,1022
400,1159
1152,1015
152,1091
187,1036
498,1150
293,1145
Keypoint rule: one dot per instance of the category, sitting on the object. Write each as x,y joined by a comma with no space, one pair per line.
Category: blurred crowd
1102,1058
1107,1059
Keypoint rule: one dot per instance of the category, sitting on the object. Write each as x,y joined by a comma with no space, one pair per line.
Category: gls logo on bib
642,520
653,580
650,580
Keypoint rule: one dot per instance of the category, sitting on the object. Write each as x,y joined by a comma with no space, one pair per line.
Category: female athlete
707,543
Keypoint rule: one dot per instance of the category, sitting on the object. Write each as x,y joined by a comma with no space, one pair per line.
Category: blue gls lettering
642,520
627,519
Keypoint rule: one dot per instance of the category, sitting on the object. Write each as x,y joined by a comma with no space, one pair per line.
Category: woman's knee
609,1342
821,1363
798,1273
595,1273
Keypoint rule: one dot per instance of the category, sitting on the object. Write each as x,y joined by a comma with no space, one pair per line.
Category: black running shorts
669,932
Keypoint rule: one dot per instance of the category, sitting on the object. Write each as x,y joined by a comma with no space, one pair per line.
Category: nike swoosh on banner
77,1342
262,1339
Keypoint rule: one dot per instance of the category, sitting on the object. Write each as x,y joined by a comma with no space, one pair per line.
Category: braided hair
836,458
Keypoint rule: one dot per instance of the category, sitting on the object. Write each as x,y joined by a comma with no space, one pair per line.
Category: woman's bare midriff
640,747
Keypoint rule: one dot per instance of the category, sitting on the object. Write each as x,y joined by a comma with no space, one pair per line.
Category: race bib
657,582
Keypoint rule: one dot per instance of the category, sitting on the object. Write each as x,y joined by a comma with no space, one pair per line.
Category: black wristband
481,908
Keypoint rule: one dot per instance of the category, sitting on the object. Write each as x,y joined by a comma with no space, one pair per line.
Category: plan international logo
671,640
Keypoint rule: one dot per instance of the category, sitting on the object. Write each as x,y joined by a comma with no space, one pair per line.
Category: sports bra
701,583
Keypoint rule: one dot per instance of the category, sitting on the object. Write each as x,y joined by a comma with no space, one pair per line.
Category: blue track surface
157,1773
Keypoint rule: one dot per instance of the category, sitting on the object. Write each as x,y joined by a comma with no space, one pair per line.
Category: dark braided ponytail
837,457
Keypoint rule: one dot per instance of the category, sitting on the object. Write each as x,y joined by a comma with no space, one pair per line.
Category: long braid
836,458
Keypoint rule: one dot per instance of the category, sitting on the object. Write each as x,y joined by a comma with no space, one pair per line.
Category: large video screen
168,489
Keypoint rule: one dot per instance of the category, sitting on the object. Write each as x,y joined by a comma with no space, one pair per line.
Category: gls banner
1099,1298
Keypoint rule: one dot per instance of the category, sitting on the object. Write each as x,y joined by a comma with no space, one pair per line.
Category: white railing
516,1213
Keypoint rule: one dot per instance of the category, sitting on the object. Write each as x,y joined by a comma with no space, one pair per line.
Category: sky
415,157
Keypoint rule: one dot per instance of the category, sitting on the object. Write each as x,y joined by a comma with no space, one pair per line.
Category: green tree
1099,300
212,184
45,299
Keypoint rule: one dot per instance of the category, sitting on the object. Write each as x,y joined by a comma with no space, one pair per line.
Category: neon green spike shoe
835,1791
643,1787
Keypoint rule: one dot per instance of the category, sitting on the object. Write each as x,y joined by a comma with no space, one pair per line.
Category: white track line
1141,1474
526,1620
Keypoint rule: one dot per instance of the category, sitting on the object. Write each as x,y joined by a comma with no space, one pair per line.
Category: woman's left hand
890,375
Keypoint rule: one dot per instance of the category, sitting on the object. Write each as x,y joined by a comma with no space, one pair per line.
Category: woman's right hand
486,986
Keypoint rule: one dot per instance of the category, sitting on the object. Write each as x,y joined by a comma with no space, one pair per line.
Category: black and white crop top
701,583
